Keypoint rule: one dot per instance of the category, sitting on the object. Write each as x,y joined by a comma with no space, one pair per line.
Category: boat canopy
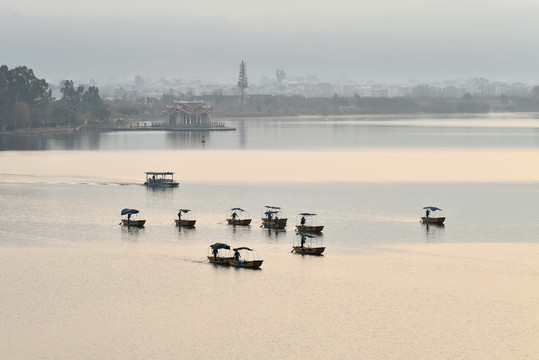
185,210
273,207
159,173
220,246
237,209
271,212
307,214
129,211
432,208
242,248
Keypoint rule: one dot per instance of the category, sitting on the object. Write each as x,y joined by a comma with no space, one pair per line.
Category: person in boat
236,255
302,241
234,215
276,221
427,213
302,222
128,217
215,251
180,216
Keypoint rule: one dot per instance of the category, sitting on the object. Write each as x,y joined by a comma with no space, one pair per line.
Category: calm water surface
77,285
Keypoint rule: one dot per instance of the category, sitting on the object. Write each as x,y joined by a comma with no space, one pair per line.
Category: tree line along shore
27,105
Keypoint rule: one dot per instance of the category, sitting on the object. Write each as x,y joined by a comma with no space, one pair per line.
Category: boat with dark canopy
246,258
272,218
308,222
307,249
238,216
219,253
432,215
184,219
130,218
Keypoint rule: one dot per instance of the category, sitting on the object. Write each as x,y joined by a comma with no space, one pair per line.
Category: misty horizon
422,41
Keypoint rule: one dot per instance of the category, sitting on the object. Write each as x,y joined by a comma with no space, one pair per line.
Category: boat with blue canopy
273,218
131,217
308,222
245,257
184,219
308,245
432,215
219,254
238,216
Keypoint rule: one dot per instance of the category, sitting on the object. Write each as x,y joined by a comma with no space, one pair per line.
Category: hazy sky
382,40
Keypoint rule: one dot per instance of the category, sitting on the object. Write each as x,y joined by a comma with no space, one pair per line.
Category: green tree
21,115
20,85
242,80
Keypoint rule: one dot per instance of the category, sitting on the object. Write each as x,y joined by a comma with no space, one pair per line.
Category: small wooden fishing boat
308,222
160,179
219,254
432,215
184,218
307,249
245,257
130,218
272,218
238,216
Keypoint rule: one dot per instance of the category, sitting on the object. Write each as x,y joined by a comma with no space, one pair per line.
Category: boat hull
429,220
253,264
135,223
309,251
274,224
219,260
185,223
239,222
162,184
309,229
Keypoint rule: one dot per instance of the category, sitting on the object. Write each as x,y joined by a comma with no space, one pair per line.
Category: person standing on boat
215,251
236,255
128,217
234,215
302,222
302,241
427,212
179,216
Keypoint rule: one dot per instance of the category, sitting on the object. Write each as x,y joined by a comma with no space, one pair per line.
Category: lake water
75,284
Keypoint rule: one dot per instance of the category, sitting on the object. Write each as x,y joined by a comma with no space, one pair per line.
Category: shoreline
239,116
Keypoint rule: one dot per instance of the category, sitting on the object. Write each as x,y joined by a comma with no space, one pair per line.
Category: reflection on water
274,235
132,233
434,232
327,133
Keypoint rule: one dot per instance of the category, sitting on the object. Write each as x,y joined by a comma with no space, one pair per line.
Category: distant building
189,113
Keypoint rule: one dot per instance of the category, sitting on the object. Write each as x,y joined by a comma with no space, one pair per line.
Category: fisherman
427,213
234,215
302,241
215,251
302,222
180,216
236,255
